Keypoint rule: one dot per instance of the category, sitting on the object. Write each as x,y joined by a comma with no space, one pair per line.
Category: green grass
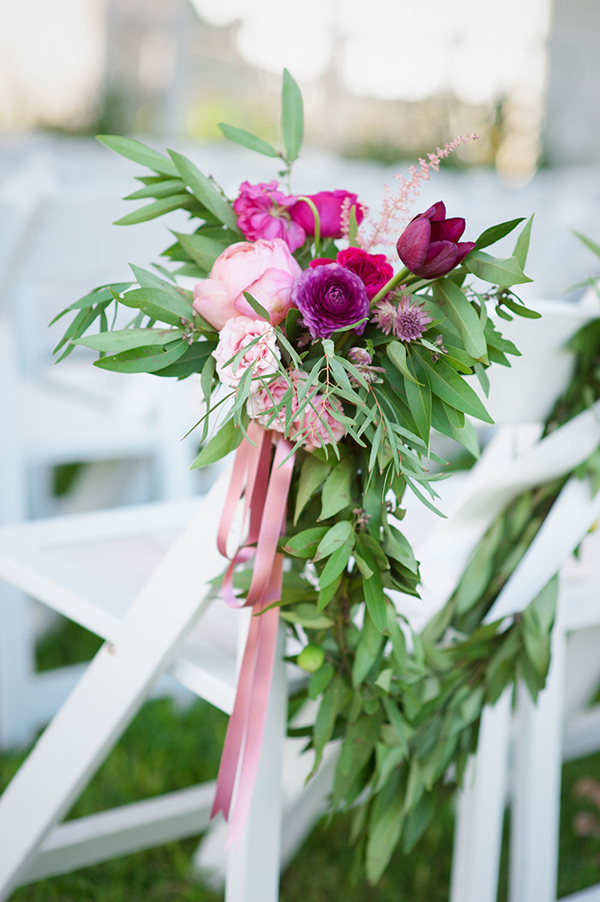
169,747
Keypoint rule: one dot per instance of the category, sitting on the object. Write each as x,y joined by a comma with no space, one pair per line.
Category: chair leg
480,810
88,725
253,868
536,794
17,659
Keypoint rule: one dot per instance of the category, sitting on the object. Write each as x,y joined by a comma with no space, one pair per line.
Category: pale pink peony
310,425
263,356
265,269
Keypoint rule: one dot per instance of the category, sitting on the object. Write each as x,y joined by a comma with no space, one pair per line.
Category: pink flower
263,355
372,269
265,269
329,205
311,425
264,212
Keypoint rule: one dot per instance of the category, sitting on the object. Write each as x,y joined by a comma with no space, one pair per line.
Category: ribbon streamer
265,489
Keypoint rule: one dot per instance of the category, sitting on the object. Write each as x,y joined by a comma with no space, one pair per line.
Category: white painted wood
591,894
121,831
581,735
480,810
253,868
537,779
102,704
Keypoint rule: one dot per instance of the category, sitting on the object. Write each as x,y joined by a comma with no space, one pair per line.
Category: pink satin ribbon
265,489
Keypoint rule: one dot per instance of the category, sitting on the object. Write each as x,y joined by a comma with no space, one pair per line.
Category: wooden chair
168,627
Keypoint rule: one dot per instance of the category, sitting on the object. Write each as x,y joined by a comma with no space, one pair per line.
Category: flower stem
403,275
315,213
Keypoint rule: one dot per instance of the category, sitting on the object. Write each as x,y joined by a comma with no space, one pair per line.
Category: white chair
127,431
149,635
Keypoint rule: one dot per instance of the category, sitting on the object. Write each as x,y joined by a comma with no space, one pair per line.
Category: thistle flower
362,360
385,316
411,320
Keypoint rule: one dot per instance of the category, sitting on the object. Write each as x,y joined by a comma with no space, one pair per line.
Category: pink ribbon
265,491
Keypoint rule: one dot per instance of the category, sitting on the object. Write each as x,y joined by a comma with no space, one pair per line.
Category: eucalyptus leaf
247,139
312,475
205,190
127,339
157,208
522,246
144,359
201,249
336,493
292,117
495,233
462,313
227,439
502,271
138,153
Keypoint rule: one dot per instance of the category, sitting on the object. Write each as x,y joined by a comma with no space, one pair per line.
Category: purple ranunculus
429,245
329,298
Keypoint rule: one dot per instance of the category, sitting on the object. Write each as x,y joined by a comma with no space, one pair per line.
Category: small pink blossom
412,320
264,212
265,269
263,355
311,425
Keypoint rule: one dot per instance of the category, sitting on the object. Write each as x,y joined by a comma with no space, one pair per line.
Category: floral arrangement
343,340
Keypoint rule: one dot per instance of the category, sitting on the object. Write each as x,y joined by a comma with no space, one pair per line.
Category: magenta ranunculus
330,297
429,245
329,207
265,269
372,269
265,212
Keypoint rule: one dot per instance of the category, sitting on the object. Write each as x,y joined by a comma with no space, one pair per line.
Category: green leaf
452,388
376,600
337,563
368,650
292,117
158,304
247,139
502,271
138,153
162,189
320,680
204,189
418,396
463,315
591,245
227,439
337,489
127,339
304,544
258,308
478,571
329,708
192,361
201,249
520,309
333,539
495,233
396,351
522,246
312,474
157,208
385,827
308,616
143,360
151,280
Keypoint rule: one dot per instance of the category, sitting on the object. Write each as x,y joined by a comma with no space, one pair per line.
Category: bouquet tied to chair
328,343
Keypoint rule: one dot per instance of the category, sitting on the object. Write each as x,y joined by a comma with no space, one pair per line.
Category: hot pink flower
265,269
311,424
263,355
264,212
372,269
329,206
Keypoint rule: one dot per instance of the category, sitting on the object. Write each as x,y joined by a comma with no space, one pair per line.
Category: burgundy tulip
429,246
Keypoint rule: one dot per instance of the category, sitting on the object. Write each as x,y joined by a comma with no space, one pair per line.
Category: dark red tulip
429,246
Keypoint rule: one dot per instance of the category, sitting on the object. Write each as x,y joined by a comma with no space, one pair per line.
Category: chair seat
90,567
